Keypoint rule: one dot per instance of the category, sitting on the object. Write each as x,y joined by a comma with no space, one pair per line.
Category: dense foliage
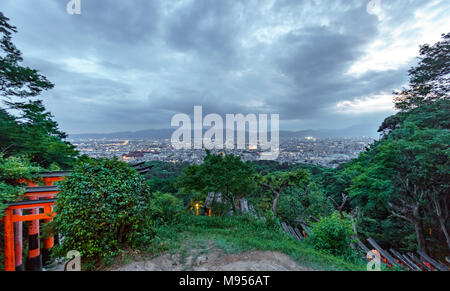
401,186
161,177
165,208
332,235
430,79
11,170
225,174
400,183
102,208
279,181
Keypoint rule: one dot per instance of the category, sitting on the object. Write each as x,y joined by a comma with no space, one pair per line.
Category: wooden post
34,261
48,242
10,264
18,242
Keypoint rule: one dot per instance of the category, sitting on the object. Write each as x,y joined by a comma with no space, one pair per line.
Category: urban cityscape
326,152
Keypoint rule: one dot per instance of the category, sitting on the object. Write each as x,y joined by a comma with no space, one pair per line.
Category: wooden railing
409,261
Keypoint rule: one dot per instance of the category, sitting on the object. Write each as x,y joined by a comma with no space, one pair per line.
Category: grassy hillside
240,234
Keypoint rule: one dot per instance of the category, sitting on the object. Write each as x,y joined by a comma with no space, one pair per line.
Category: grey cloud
152,59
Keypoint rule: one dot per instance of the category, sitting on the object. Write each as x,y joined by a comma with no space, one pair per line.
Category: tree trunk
419,236
419,228
275,203
442,215
233,206
444,230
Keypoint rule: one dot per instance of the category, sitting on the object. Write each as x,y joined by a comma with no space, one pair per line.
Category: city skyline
325,152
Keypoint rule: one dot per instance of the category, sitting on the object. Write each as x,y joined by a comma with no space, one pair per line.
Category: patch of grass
240,234
166,239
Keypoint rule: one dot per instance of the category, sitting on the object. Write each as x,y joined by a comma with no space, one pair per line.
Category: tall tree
407,170
278,182
430,79
224,174
17,80
405,174
26,127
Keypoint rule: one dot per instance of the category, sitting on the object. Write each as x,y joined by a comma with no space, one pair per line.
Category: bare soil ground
210,258
201,255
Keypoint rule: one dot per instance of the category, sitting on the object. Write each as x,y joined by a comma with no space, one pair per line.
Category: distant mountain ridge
353,131
148,133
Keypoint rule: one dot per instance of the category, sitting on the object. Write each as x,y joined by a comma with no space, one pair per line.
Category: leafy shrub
290,207
271,221
318,204
166,208
11,170
221,208
332,235
232,222
164,185
102,206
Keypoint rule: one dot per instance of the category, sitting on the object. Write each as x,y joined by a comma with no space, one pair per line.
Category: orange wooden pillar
50,241
48,181
34,261
12,217
47,251
18,242
10,264
13,224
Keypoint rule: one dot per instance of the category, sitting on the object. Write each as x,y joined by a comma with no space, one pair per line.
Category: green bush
318,204
290,207
271,221
102,207
332,235
221,208
11,170
166,208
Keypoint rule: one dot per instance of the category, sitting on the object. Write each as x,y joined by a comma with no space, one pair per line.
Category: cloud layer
131,65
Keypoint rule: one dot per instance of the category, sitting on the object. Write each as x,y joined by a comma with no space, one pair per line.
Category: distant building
133,155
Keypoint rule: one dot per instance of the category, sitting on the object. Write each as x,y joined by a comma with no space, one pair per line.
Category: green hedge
102,208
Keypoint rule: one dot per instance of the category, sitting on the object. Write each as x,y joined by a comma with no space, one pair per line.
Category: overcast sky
131,65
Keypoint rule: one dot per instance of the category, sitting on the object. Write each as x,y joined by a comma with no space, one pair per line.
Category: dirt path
204,255
213,259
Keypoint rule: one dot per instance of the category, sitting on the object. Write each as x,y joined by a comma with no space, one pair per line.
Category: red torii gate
38,197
